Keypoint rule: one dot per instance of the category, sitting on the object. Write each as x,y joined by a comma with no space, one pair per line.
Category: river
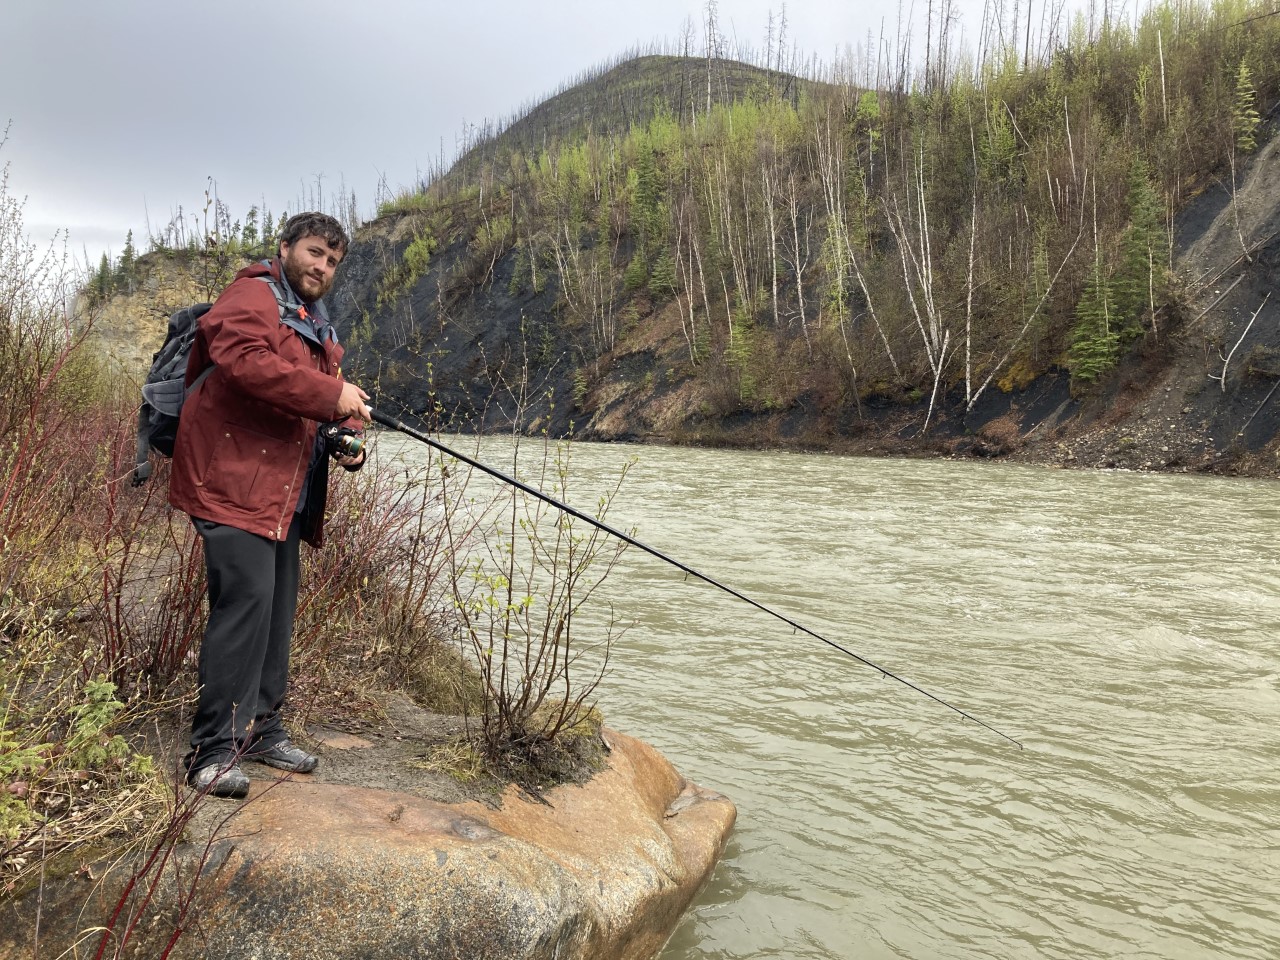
1124,628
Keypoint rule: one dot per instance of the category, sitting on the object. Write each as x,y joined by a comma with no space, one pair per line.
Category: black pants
244,659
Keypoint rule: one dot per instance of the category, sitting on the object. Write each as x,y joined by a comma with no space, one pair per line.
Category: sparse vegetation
864,233
102,608
520,571
71,779
930,227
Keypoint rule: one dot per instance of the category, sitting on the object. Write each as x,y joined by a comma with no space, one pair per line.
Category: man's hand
351,403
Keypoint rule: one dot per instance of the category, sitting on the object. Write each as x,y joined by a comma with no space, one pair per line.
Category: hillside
974,270
1164,407
1052,264
1181,405
615,98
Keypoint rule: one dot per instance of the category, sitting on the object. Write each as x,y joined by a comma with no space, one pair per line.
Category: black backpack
165,390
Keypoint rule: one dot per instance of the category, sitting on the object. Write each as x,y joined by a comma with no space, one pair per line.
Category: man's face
309,265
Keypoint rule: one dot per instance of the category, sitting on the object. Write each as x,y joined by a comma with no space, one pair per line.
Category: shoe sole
284,765
230,793
223,789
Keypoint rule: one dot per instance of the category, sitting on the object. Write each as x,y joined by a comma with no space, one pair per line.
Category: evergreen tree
249,233
648,198
663,278
268,234
1095,345
1245,119
999,152
275,237
126,273
637,273
103,281
1141,275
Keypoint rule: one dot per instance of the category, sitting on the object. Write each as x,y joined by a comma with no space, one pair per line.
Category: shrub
371,603
517,586
70,779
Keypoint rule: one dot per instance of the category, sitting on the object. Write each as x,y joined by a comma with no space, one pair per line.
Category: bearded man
250,467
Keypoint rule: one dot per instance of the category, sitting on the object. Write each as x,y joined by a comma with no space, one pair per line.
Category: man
251,470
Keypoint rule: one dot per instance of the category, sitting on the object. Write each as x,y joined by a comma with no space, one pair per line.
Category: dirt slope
1201,395
469,348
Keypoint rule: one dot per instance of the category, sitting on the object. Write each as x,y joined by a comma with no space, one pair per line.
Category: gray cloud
122,111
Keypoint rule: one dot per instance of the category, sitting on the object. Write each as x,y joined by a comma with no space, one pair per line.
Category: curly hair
315,225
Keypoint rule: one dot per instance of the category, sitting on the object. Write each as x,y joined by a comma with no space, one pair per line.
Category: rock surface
305,870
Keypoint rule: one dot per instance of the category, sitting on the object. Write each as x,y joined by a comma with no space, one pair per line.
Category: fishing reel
342,441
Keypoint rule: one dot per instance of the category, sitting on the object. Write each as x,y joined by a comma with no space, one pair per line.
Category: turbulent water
1122,627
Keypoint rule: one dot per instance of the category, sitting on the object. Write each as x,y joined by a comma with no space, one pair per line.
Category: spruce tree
249,233
268,234
1094,342
663,278
1140,278
1244,114
103,281
127,268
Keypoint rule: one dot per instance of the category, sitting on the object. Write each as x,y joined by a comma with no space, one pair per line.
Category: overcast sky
120,110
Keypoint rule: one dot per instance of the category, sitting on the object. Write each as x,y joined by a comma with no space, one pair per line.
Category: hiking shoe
219,780
284,756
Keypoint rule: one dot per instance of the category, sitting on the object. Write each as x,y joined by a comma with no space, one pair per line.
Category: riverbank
1162,411
1161,421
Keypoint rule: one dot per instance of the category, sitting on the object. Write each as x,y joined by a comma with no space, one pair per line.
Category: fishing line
389,421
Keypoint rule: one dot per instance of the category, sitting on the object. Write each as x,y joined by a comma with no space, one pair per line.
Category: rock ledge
306,870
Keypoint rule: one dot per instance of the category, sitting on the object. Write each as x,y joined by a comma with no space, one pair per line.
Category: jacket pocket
241,461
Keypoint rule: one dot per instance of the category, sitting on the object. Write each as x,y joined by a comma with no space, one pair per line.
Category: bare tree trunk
1071,149
916,255
799,263
728,308
713,30
1164,97
968,302
999,364
831,174
1249,326
928,46
782,36
1026,48
702,277
769,193
686,281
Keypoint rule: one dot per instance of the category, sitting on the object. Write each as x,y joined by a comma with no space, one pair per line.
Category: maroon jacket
248,430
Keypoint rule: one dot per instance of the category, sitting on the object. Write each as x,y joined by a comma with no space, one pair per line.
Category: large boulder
307,870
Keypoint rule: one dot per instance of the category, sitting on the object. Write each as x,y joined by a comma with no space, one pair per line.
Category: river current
1124,628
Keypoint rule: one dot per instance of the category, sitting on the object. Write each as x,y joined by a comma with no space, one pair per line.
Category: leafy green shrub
517,586
407,202
409,269
70,777
369,601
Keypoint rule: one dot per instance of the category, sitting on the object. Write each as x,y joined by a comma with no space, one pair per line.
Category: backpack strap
312,323
142,465
167,396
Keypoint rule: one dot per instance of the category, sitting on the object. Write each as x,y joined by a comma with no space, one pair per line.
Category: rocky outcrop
305,870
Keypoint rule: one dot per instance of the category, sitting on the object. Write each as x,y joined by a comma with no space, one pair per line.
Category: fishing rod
389,421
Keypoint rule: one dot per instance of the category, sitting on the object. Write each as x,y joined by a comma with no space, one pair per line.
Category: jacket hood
262,268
